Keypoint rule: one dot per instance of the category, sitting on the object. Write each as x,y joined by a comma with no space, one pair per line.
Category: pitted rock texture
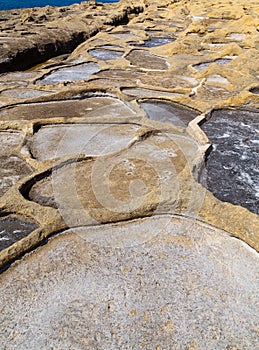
159,283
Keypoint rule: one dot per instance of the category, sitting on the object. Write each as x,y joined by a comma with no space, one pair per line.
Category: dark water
14,4
232,168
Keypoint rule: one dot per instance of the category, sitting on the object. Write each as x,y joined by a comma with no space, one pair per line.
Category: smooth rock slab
167,112
55,141
74,73
144,59
12,170
220,61
144,93
13,229
86,107
9,141
105,54
233,162
155,283
24,93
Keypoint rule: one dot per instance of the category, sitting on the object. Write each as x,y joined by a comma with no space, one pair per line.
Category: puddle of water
13,229
54,141
232,171
168,112
255,90
75,73
105,54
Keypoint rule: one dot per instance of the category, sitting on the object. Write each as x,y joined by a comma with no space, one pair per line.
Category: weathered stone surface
55,141
154,283
145,178
13,229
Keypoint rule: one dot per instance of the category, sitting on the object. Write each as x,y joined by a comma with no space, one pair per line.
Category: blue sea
15,4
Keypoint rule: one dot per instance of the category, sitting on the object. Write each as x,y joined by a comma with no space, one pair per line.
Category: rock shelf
129,151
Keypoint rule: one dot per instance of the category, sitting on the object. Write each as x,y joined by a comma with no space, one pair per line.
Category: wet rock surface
235,140
168,113
13,229
156,282
83,151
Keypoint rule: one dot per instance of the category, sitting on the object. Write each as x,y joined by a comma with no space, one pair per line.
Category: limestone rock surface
111,236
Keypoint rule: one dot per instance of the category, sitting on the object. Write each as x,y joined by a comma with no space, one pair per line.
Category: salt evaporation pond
74,73
156,41
232,171
168,112
105,54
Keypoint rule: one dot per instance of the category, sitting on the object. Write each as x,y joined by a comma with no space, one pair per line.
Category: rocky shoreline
32,36
108,237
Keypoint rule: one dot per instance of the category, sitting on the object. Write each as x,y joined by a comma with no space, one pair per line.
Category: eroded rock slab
160,282
233,162
55,141
12,229
91,107
168,112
